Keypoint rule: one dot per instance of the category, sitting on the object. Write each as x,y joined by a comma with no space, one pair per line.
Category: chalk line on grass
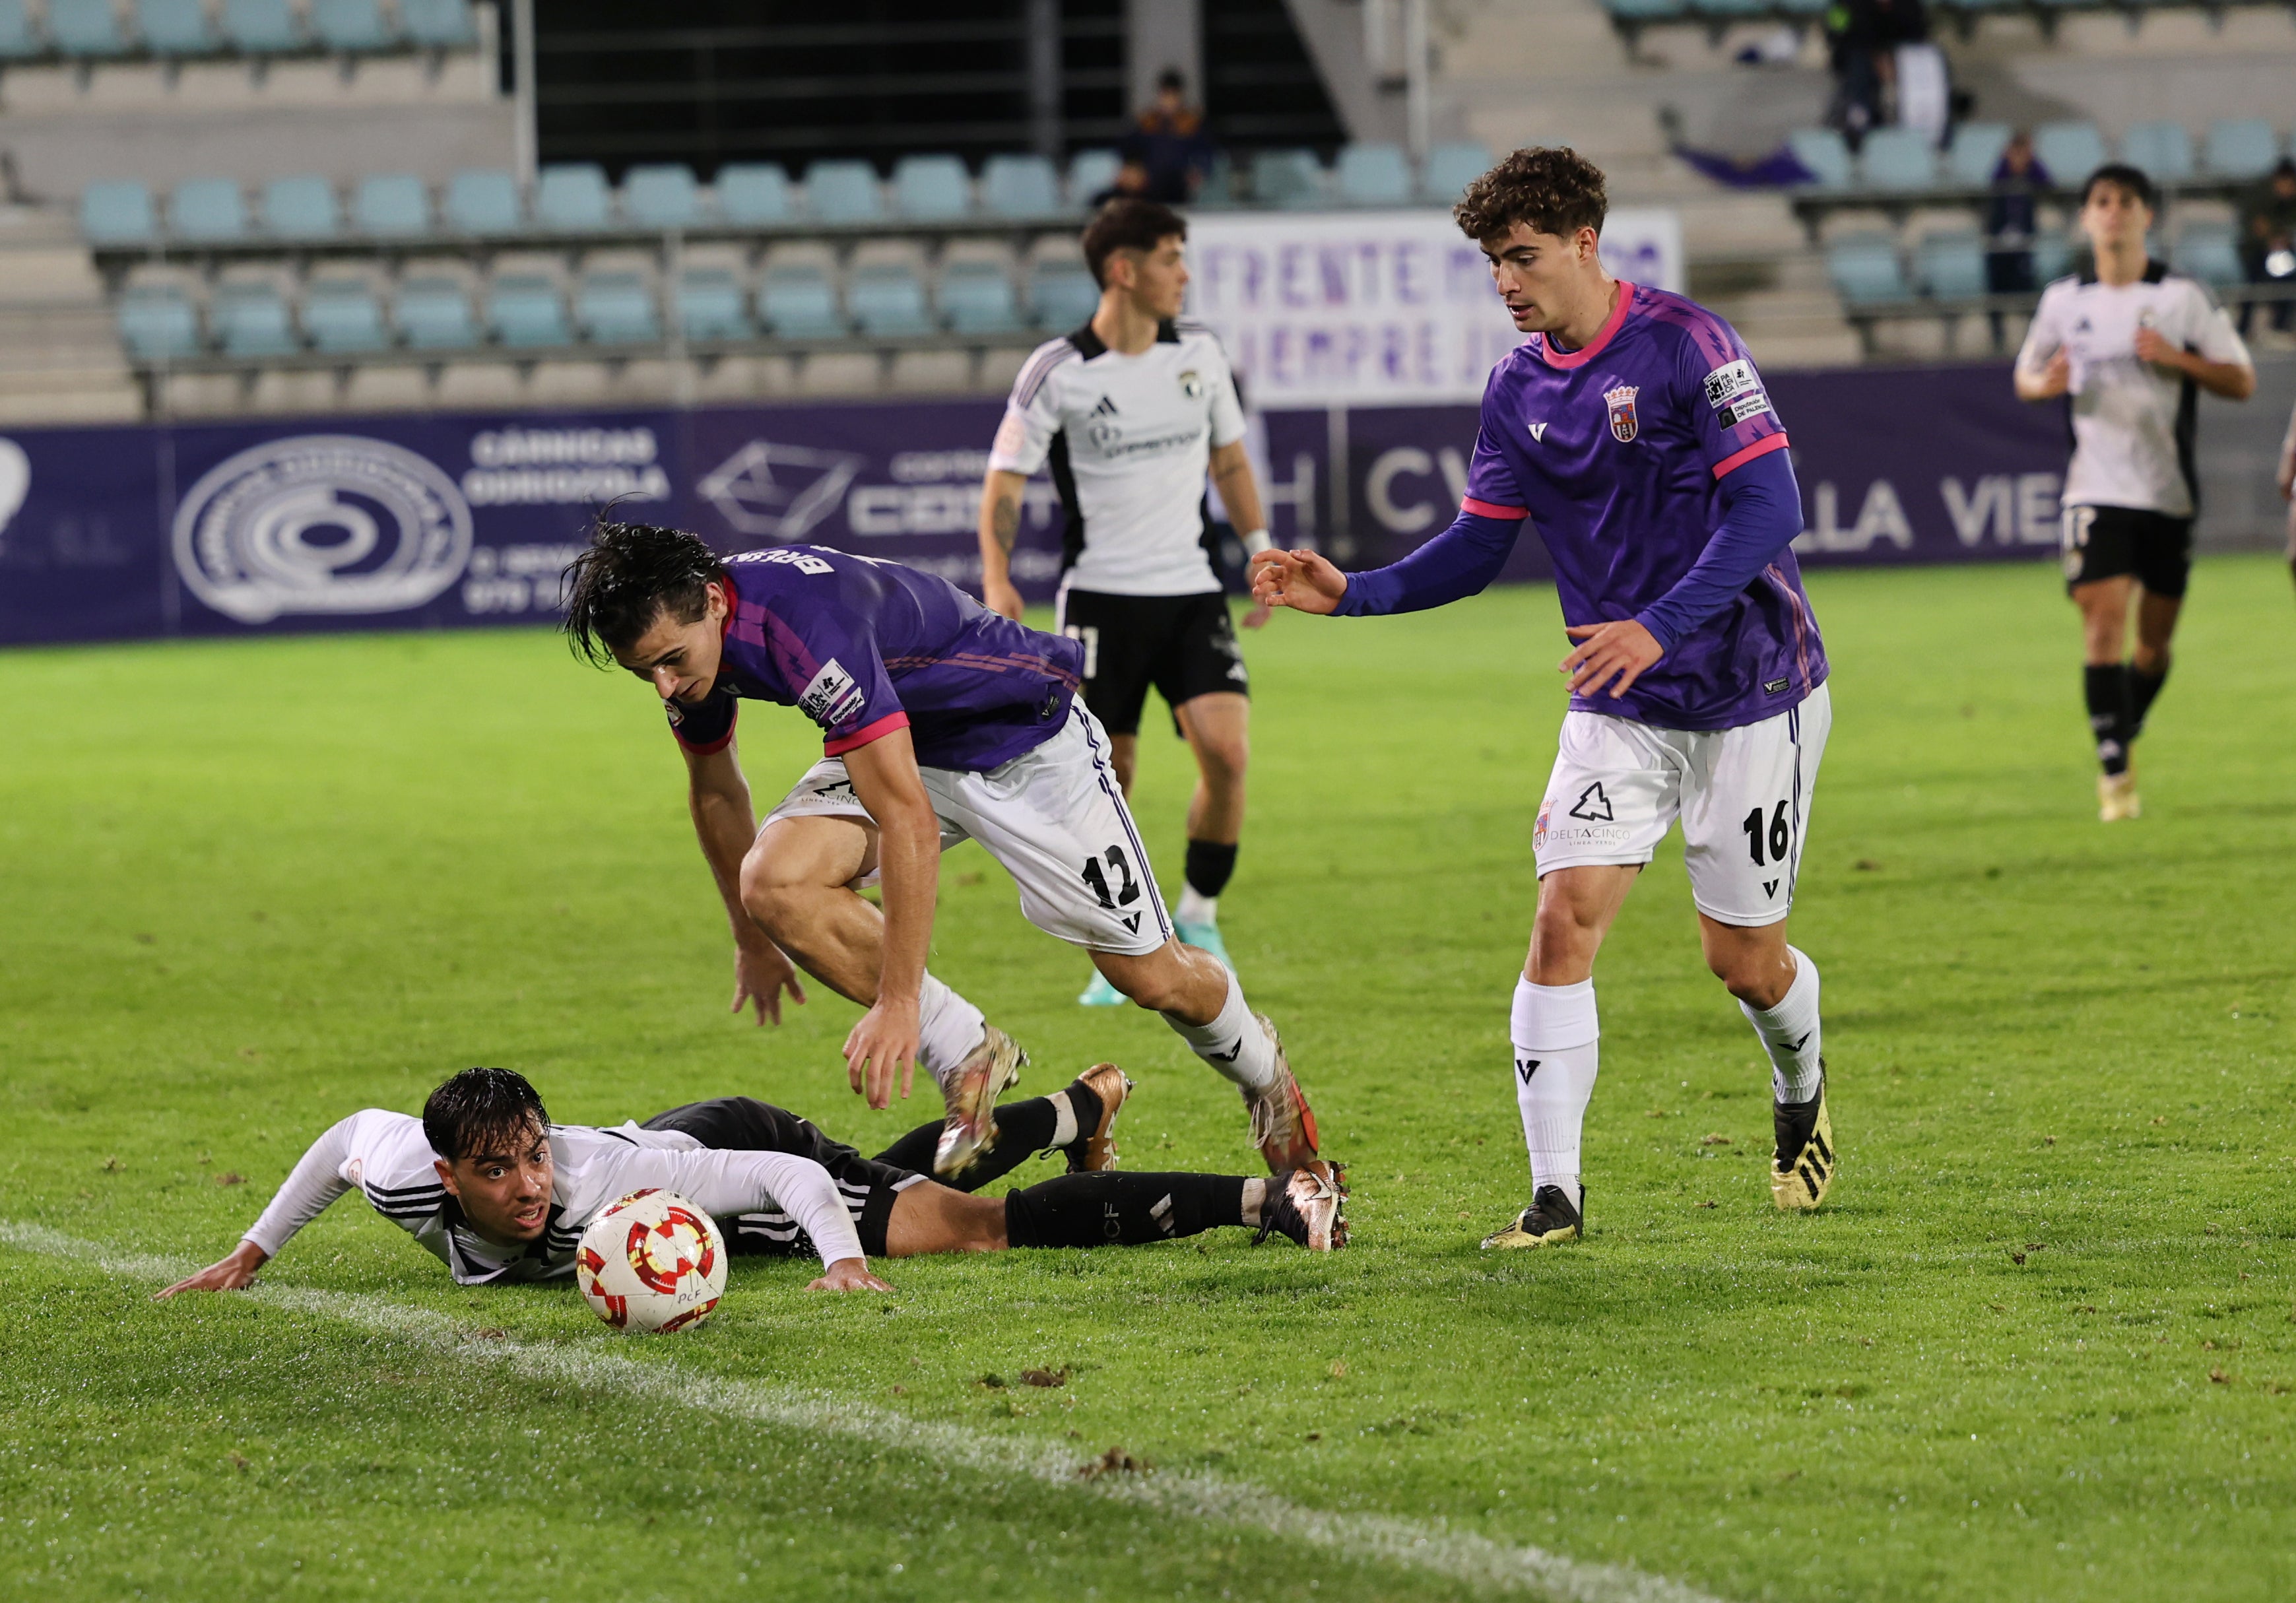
1426,1545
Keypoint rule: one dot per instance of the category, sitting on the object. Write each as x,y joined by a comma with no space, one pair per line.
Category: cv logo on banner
322,523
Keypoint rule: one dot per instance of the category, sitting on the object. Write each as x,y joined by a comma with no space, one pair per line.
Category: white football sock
1557,1044
1064,1119
1196,908
949,1027
1790,1034
1234,1042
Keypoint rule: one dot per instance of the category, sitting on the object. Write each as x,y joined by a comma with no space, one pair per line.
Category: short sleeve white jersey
2132,422
1128,439
386,1157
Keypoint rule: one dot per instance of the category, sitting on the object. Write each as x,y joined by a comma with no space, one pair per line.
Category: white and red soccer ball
651,1262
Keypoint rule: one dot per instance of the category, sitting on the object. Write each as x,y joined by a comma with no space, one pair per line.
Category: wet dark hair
1549,189
1128,223
486,1111
628,577
2123,177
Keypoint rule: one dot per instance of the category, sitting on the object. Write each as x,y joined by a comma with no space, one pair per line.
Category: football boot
1551,1218
2117,799
1309,1204
1803,1168
1094,1150
1283,1124
1100,993
970,1128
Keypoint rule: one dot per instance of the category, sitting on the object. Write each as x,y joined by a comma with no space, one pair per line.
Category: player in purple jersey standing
1632,428
941,723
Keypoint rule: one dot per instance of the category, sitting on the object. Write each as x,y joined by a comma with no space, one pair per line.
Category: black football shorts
2107,542
746,1125
1185,645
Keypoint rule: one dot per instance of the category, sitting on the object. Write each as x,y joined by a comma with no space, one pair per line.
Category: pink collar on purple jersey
1592,347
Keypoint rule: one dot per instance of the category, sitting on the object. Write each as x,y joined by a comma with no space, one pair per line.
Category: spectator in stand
1861,40
2011,220
2267,239
1169,144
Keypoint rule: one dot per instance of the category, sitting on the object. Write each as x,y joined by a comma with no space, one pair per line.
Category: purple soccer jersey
864,647
1616,451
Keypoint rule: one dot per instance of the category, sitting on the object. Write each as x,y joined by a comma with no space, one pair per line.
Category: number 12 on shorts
1779,828
1129,890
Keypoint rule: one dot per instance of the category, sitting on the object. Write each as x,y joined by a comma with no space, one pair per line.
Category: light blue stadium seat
352,25
434,313
1292,179
616,308
572,198
1645,11
526,310
797,302
1823,151
207,208
2069,151
484,199
661,195
392,205
175,27
85,27
2052,256
1804,8
1897,158
252,320
1061,295
118,211
158,323
1373,175
930,188
2210,252
753,193
886,299
1019,186
18,41
343,315
1951,265
844,192
2242,148
301,207
1864,268
1975,151
1730,9
441,24
1451,168
976,298
1089,173
2161,150
711,306
261,27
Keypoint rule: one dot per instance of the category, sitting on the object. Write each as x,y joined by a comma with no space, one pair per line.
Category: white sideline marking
1426,1545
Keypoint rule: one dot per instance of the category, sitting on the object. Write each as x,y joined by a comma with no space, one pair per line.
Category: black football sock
2143,687
2106,688
1023,1130
1115,1209
1210,866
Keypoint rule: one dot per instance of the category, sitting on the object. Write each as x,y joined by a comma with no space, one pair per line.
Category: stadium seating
1373,175
2069,151
2162,151
2245,148
797,302
434,313
930,188
439,24
252,320
1950,266
85,27
391,205
176,26
616,308
662,195
343,316
1061,295
711,306
1289,179
1898,159
347,26
1018,187
844,192
1451,168
261,27
484,201
1975,152
158,322
886,299
976,298
1090,172
526,310
1864,268
18,41
118,212
2210,252
573,198
207,208
1823,153
752,193
302,208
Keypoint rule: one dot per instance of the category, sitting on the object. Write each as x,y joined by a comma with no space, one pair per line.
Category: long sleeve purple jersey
864,647
1618,453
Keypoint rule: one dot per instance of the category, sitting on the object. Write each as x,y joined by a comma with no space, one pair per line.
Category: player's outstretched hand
1300,580
849,1274
998,595
883,1044
1605,652
234,1273
761,973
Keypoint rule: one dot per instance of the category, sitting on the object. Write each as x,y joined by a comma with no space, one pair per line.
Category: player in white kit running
2129,344
1129,412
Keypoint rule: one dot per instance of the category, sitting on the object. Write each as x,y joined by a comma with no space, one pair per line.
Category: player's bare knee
1224,761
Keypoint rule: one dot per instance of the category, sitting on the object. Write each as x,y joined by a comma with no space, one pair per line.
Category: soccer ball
651,1262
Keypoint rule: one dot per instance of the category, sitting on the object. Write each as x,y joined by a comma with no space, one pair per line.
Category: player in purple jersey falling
941,723
1632,428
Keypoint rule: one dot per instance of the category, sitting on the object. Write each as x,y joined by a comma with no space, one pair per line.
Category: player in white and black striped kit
2129,344
1129,412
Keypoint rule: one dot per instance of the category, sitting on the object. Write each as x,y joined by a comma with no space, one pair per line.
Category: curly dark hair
1552,190
482,1111
630,575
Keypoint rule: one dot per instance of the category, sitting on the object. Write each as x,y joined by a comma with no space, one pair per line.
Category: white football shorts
1053,817
1743,796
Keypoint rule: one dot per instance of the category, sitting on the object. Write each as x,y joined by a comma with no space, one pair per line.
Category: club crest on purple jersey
1624,424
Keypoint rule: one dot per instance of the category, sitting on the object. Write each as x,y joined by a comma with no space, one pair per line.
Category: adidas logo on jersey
1107,408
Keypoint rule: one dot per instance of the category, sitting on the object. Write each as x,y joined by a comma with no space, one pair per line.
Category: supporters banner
1375,307
439,521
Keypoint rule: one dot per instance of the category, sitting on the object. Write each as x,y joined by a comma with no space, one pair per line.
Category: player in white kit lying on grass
501,1195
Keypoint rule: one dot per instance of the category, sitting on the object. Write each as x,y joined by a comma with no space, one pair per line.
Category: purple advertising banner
444,521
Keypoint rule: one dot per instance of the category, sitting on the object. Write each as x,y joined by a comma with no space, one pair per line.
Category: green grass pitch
2039,1348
